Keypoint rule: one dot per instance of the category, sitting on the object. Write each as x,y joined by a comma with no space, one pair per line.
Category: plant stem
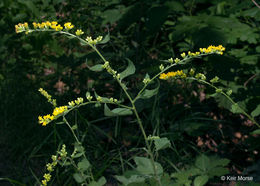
230,99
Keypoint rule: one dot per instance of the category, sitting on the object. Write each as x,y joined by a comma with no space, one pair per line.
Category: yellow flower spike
183,55
68,26
168,75
79,32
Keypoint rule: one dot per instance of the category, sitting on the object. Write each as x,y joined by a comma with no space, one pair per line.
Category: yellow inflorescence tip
168,75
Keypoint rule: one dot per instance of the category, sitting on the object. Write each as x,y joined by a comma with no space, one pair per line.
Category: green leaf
106,39
214,162
104,99
131,180
161,143
236,109
96,68
146,94
257,131
217,171
256,112
129,70
145,167
201,180
202,162
84,164
78,178
116,111
102,181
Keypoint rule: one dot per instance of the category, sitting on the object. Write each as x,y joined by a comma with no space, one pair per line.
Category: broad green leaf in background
131,180
102,181
201,180
161,143
79,178
217,171
214,162
202,162
145,167
84,164
116,111
128,71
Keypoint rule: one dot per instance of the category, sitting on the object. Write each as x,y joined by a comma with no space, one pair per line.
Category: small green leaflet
105,40
256,112
116,111
96,68
161,143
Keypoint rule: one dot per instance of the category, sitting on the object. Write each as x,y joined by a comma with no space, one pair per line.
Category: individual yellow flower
183,55
68,26
58,28
79,32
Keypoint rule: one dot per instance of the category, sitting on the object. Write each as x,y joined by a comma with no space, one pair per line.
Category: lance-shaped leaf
116,111
106,39
95,68
129,70
148,93
256,112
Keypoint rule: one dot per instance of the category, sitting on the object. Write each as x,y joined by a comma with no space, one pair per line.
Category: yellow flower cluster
48,96
76,102
44,120
210,50
94,41
213,49
50,167
21,27
168,75
68,26
43,25
48,25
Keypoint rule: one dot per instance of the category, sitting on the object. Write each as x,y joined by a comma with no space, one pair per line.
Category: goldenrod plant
148,170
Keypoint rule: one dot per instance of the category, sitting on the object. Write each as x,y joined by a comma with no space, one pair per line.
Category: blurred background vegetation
144,31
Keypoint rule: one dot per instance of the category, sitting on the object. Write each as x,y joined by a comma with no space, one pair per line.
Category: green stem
77,140
230,99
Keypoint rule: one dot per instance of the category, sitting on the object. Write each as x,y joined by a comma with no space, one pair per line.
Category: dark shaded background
145,32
